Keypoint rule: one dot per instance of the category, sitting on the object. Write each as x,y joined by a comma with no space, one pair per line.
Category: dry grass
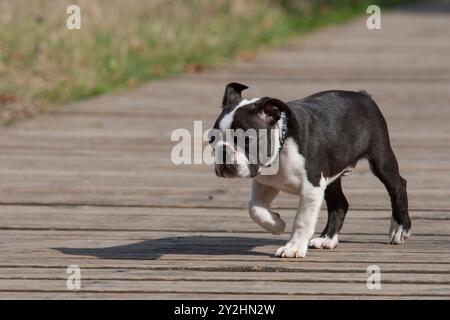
121,43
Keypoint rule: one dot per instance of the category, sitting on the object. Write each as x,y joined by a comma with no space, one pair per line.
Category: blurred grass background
123,43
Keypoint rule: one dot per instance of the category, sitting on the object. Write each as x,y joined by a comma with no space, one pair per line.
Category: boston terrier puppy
314,141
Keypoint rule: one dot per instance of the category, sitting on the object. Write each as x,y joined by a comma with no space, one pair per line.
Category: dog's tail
365,93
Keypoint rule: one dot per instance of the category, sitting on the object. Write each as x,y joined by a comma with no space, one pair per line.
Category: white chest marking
291,173
292,176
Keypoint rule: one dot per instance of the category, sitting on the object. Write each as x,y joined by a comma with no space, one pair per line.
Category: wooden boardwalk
93,185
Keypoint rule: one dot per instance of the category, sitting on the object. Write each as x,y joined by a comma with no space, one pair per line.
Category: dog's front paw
292,250
277,225
267,219
397,233
324,242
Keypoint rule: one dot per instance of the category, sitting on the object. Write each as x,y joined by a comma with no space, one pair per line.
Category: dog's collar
283,130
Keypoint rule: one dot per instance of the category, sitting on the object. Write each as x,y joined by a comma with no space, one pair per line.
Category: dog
316,141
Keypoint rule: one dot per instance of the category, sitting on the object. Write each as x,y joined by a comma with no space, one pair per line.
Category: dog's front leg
259,208
304,223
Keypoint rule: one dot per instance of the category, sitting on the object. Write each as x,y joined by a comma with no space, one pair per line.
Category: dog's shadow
189,245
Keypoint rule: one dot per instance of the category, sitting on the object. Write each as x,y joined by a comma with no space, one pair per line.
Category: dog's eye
212,139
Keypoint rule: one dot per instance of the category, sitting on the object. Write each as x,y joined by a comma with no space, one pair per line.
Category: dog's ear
233,93
270,109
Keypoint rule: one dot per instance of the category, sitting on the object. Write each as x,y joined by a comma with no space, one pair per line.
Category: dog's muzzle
230,163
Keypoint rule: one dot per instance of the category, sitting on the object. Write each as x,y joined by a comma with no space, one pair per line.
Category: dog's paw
397,233
277,225
292,250
324,242
268,220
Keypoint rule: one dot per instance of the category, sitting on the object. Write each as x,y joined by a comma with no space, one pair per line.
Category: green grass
122,44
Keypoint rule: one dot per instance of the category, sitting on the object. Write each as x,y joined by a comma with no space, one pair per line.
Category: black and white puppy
319,139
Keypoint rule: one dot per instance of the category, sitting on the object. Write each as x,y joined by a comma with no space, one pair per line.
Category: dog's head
246,134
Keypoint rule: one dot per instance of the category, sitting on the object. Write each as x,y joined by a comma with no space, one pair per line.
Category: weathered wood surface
93,185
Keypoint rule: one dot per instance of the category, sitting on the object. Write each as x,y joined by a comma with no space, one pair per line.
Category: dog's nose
225,170
216,170
219,170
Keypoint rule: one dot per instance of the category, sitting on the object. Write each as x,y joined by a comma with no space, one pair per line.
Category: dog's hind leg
384,165
337,206
259,208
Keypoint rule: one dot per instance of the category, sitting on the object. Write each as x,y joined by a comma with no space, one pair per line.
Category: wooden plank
239,287
199,276
253,254
28,295
77,192
197,220
232,266
59,214
162,247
